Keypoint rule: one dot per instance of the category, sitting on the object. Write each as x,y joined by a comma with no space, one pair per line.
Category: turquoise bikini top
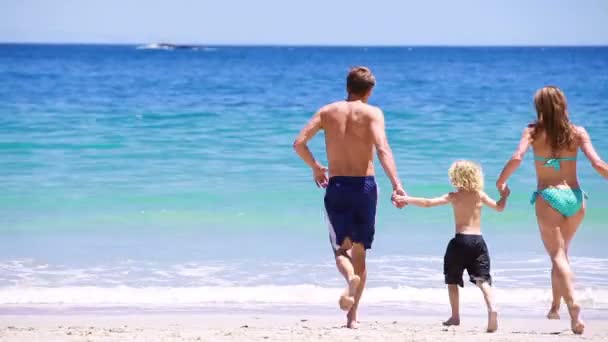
553,162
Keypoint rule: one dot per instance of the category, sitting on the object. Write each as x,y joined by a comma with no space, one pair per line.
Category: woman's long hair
552,118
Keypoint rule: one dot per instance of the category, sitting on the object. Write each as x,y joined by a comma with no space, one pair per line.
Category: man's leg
345,267
358,261
486,289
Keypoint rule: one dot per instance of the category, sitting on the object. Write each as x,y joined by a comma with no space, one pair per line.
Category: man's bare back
349,137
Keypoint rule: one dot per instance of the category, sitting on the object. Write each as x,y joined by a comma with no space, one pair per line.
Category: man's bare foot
576,323
492,321
452,321
352,324
553,312
347,300
351,320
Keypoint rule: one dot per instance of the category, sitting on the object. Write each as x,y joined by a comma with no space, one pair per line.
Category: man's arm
385,154
300,146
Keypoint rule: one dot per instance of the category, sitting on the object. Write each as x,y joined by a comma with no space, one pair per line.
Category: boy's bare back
467,211
349,137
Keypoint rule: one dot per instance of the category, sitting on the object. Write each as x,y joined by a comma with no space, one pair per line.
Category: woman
559,200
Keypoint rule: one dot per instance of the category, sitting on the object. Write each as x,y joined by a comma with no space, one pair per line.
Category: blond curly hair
466,175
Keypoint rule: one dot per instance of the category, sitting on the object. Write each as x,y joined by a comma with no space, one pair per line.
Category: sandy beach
207,327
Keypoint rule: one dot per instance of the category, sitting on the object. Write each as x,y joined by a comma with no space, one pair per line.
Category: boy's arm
428,202
498,206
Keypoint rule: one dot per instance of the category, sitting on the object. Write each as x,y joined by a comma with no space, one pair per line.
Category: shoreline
282,327
372,311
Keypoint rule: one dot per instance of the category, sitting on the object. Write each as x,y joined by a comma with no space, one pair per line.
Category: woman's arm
587,147
515,161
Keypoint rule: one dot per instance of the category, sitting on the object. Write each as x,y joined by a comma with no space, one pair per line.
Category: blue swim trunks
350,203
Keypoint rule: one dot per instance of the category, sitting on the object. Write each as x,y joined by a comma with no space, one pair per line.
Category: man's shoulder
370,110
345,107
332,107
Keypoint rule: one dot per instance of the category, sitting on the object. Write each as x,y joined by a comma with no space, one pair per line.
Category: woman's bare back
563,176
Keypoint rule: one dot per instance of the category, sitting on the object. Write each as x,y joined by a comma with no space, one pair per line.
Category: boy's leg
345,267
453,268
480,274
486,289
358,255
454,304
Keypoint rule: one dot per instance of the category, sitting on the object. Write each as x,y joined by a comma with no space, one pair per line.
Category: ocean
166,179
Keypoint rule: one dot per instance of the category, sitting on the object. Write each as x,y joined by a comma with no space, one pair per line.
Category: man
353,129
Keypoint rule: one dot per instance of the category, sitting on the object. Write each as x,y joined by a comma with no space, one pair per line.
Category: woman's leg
550,223
557,295
568,229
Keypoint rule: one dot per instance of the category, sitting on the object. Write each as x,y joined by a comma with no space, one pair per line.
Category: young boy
467,250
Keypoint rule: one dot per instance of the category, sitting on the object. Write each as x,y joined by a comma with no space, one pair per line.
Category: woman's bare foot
576,323
452,321
492,321
347,300
553,312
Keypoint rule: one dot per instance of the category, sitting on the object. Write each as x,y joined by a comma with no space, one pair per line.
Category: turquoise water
168,174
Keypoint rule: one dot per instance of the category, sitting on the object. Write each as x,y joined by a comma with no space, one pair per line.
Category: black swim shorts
468,252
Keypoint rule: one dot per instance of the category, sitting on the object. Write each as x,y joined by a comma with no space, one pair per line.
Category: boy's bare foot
452,321
553,312
492,321
576,323
347,300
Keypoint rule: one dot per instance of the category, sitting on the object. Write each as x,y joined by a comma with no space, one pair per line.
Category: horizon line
309,45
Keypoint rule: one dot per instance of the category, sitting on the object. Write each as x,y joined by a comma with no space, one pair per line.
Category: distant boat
168,46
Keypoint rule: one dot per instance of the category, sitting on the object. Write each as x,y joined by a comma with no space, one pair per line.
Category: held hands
400,201
505,192
399,198
503,189
319,174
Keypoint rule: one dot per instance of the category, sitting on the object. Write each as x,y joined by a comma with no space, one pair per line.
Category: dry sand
208,327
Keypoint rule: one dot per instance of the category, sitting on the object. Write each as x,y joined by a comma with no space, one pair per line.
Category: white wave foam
280,295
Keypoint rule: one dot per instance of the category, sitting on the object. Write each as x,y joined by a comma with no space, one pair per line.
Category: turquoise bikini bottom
565,200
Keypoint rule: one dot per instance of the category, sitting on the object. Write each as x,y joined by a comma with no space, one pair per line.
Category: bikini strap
554,162
533,198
